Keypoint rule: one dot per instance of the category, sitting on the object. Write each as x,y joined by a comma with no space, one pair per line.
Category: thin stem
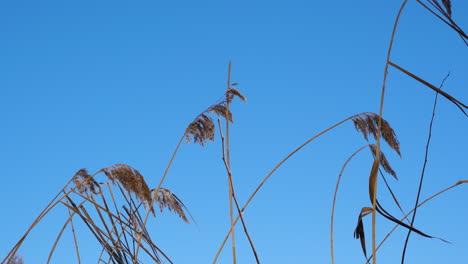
170,163
227,160
228,169
335,194
379,129
59,236
459,104
423,169
75,240
391,193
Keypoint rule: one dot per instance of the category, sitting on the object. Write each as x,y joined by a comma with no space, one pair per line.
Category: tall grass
115,202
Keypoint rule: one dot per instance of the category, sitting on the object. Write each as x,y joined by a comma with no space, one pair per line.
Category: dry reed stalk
456,102
373,180
75,240
335,194
227,160
228,169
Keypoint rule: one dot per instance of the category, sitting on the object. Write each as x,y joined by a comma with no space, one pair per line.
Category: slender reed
335,194
239,211
423,170
373,182
227,160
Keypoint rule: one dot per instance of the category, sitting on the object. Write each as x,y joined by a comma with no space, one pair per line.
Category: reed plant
116,202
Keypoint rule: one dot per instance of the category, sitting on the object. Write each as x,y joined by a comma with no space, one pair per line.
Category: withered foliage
203,128
165,198
128,227
383,161
359,231
367,124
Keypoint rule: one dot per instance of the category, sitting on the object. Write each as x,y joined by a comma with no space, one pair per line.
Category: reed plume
202,128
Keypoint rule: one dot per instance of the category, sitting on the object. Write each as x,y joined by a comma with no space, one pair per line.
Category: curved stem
334,201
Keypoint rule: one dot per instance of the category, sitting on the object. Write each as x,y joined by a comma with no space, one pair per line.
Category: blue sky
93,83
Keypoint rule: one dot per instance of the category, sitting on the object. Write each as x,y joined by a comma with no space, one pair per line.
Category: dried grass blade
387,215
373,180
359,231
391,193
459,104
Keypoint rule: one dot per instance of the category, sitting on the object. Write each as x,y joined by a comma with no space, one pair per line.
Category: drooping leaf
359,230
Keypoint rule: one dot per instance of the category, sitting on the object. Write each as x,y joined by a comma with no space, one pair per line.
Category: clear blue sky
89,84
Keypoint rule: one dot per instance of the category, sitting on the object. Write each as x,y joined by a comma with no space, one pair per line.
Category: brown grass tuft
233,92
85,182
165,198
202,128
367,124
